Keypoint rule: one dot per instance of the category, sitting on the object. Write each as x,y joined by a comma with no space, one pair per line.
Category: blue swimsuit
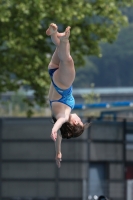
67,97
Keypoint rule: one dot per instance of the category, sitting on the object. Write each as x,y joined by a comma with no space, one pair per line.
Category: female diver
62,72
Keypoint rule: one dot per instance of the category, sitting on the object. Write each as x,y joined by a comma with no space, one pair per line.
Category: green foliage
24,47
128,11
16,106
85,75
115,68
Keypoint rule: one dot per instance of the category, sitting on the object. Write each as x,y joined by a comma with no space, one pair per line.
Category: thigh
65,74
54,63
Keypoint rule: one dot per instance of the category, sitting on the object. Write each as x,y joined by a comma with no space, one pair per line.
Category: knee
68,59
67,62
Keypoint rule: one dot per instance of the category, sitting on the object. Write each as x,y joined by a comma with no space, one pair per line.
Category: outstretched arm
56,136
58,156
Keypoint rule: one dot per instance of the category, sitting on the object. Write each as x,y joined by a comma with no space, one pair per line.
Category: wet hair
70,131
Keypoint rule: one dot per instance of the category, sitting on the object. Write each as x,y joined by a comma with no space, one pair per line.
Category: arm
58,144
58,149
58,138
57,126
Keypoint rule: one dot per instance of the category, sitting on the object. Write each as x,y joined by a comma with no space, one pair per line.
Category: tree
25,49
115,67
85,75
128,11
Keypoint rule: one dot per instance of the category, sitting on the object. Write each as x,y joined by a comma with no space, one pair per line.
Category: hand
53,135
58,159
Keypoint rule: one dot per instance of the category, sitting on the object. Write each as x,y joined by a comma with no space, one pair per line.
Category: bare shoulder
61,110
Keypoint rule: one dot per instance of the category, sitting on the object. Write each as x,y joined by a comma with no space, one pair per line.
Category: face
75,119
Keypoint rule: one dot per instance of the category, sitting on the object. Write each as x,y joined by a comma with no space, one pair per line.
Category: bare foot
52,29
66,35
60,34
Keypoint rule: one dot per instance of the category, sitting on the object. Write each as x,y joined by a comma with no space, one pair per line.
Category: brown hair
70,131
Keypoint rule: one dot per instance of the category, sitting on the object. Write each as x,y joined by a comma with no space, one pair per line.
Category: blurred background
100,162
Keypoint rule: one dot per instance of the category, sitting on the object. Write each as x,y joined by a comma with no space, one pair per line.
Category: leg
56,37
61,58
64,47
54,63
66,71
52,31
64,50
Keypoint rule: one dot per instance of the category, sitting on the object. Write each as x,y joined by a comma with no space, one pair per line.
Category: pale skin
63,77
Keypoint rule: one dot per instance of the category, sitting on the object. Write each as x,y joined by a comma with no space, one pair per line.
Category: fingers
58,162
53,136
58,159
